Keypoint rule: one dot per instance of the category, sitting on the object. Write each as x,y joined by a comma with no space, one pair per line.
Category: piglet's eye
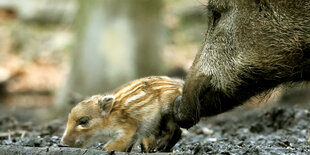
83,120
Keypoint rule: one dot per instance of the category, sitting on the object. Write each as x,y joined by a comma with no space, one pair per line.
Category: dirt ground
281,128
275,130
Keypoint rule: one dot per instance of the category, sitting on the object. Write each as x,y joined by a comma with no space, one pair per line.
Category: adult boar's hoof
181,116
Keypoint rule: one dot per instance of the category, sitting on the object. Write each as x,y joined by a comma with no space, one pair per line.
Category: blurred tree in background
63,50
116,41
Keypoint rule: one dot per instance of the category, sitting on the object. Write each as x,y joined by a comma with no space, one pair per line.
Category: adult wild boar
250,46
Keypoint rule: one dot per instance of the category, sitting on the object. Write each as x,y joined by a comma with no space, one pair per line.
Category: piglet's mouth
78,143
72,143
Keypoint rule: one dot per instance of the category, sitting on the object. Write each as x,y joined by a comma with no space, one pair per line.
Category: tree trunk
116,41
147,27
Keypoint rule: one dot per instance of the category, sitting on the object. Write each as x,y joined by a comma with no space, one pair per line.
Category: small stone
212,139
207,131
184,132
55,137
7,142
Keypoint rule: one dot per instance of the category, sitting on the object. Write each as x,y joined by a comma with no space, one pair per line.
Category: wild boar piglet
139,112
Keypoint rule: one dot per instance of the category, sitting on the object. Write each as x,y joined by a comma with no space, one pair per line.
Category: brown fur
251,46
140,111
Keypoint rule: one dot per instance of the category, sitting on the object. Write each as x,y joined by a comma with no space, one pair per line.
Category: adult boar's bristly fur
251,46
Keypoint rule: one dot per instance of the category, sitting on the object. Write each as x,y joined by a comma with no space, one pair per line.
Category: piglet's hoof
180,117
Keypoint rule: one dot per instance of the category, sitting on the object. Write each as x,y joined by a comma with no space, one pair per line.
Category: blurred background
55,52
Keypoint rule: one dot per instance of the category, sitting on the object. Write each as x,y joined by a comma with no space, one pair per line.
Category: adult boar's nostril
178,100
176,106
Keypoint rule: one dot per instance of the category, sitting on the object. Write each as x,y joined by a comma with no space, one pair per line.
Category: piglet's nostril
176,106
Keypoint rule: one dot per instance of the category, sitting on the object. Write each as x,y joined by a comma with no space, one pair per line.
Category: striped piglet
139,112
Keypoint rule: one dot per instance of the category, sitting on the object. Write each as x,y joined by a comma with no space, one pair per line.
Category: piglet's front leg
123,143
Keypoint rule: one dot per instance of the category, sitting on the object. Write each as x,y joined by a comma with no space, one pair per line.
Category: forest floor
275,129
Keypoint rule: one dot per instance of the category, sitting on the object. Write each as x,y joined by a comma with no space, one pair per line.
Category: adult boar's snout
187,109
183,116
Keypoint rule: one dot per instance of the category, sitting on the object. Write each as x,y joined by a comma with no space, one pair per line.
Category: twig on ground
10,133
9,137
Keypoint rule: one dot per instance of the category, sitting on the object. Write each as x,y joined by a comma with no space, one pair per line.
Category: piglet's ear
106,104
